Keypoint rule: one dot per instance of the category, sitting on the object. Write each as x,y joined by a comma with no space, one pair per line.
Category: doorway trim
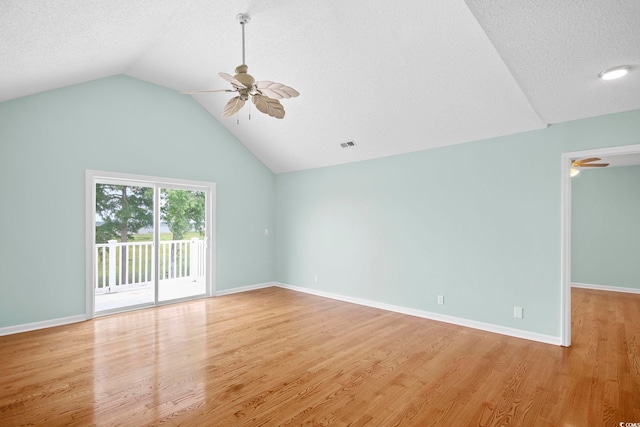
565,229
93,176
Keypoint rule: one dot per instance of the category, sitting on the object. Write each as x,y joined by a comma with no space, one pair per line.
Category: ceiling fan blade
580,162
594,165
269,106
232,107
193,92
276,90
590,159
235,82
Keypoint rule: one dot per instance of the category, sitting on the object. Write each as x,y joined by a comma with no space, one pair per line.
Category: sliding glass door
181,254
150,243
124,224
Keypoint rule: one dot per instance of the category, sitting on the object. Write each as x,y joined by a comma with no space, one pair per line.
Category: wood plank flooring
275,357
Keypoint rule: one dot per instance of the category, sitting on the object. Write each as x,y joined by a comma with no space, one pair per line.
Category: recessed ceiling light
615,72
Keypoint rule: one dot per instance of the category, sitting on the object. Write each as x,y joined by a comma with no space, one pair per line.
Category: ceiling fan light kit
264,94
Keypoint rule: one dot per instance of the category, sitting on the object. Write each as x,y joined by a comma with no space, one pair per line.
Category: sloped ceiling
393,77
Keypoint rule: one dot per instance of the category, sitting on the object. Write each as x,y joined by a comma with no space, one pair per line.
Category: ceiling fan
586,163
264,94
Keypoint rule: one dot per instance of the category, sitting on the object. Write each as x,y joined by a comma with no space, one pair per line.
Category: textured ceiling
555,50
394,76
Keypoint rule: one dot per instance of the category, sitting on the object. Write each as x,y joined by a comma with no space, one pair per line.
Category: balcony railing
122,266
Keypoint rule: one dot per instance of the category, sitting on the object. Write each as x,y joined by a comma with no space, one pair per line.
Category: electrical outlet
316,279
266,231
440,299
518,312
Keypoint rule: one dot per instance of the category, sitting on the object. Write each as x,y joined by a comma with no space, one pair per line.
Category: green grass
163,236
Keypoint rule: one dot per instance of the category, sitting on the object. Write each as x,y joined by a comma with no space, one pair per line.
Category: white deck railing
121,266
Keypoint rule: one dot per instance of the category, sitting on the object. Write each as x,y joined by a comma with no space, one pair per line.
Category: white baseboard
8,330
517,333
503,330
244,289
606,288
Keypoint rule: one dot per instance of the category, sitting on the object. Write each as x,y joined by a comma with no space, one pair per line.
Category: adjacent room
250,212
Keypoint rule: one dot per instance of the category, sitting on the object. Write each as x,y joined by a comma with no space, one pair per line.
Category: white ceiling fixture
264,94
615,72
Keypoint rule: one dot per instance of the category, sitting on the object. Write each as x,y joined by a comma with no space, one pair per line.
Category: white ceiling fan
264,94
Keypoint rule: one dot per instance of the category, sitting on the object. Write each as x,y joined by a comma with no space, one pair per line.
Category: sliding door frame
93,177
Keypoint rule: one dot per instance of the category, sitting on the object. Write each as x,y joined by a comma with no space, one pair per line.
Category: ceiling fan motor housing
241,75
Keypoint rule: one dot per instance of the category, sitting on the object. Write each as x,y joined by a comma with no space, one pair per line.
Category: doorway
149,241
565,250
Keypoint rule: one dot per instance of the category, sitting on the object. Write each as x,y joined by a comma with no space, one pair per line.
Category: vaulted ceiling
392,76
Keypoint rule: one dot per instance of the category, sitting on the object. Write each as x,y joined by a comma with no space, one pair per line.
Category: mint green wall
478,223
119,124
605,227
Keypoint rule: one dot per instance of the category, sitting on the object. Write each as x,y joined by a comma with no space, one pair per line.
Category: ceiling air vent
348,144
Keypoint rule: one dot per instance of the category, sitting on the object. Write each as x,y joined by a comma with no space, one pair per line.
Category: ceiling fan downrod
244,19
241,70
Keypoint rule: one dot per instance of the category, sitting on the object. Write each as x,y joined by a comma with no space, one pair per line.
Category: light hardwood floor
276,357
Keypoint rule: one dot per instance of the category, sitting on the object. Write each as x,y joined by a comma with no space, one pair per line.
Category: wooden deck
169,289
275,357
